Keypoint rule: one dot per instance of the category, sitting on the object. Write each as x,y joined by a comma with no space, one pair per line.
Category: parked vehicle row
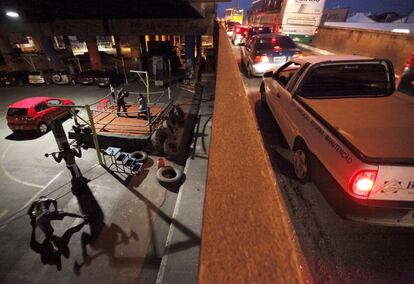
60,77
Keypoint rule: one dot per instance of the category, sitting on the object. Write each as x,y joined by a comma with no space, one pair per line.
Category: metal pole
79,65
149,119
169,94
94,136
169,72
147,80
123,67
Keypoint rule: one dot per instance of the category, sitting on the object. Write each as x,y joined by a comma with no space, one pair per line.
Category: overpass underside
127,22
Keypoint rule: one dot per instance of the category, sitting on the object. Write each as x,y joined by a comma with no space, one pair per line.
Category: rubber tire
39,128
263,97
171,148
159,136
166,181
140,156
301,152
178,111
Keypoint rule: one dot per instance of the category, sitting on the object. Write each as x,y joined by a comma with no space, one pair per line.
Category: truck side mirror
268,74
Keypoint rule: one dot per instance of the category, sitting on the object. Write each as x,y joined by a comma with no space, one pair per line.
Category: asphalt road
336,250
25,174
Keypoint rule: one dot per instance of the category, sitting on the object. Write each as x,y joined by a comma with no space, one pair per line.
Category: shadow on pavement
23,136
273,139
48,253
102,238
193,238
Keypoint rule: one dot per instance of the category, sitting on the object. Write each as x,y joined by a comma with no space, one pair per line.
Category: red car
36,113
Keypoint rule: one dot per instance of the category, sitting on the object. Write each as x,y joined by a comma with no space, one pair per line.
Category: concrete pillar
49,49
189,56
189,47
7,52
93,52
118,46
135,45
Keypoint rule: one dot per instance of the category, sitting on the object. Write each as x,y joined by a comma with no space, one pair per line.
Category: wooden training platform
107,122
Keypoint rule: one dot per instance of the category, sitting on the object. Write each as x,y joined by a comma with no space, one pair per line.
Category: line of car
261,50
61,77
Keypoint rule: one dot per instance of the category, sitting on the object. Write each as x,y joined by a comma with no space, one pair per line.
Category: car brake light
263,59
280,30
362,182
237,30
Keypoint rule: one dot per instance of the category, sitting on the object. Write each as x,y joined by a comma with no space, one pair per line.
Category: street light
12,14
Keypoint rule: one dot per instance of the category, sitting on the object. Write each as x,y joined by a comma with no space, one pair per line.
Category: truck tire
169,176
171,148
42,128
301,161
263,97
158,138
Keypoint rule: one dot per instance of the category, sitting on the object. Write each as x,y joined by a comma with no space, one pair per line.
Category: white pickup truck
344,111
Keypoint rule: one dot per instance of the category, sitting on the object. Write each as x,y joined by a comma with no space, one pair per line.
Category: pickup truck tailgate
394,183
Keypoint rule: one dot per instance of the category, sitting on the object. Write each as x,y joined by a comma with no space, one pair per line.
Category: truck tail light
362,182
262,59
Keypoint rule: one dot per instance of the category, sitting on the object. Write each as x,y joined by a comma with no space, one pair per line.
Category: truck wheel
42,128
159,137
301,162
263,97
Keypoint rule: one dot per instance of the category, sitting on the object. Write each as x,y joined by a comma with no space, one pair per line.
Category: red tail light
280,30
362,182
263,59
237,30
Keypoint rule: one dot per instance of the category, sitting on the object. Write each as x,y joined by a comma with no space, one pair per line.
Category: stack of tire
164,138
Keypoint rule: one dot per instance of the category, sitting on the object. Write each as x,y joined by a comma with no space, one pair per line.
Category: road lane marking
30,201
9,175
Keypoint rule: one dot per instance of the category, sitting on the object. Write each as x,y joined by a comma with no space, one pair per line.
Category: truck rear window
347,80
17,111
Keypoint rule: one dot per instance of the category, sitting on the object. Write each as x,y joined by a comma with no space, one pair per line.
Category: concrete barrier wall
246,235
393,46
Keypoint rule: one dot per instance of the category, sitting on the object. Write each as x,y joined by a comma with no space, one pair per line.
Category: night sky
374,6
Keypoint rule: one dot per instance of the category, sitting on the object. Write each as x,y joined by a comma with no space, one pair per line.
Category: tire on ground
169,176
171,148
159,136
140,156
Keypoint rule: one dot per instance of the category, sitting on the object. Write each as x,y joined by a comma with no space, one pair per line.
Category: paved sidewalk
181,256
